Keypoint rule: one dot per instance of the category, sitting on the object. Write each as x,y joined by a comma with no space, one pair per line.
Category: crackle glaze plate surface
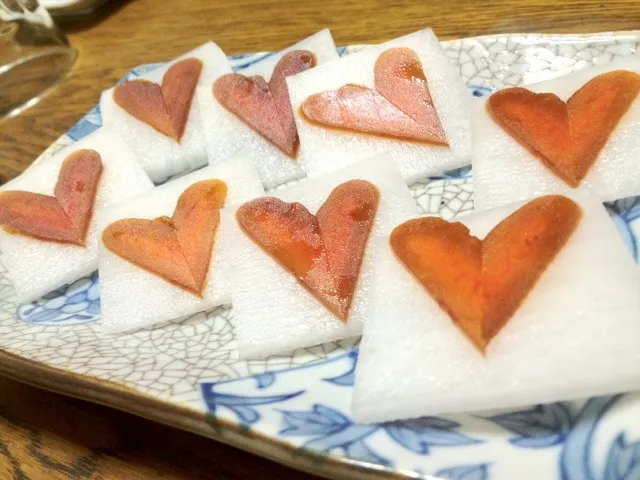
295,409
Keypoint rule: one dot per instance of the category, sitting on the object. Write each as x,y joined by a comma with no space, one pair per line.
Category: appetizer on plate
250,110
527,303
576,131
162,256
158,116
49,234
533,298
403,97
303,256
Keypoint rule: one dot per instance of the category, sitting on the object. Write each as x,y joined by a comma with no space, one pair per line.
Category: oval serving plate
295,409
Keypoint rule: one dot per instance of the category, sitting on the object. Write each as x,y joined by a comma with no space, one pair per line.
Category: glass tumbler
34,55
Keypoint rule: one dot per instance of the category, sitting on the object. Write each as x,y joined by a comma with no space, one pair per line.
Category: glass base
26,80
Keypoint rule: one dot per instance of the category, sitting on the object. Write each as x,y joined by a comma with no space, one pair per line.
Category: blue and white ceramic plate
295,409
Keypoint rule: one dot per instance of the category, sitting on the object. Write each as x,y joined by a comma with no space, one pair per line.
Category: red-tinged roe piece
63,217
177,249
164,107
291,63
265,107
361,109
400,78
399,107
482,283
567,136
323,251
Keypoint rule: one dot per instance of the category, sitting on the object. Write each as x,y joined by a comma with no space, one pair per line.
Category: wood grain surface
47,436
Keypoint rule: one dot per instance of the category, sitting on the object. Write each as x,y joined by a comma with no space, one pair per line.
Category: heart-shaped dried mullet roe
482,283
63,217
265,107
361,109
567,137
177,249
165,108
399,107
323,251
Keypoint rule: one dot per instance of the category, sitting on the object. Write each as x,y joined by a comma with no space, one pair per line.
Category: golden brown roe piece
481,283
567,136
177,249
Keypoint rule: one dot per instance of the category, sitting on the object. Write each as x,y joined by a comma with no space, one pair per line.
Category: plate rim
126,399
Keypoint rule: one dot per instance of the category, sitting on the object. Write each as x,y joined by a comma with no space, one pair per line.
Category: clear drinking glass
34,55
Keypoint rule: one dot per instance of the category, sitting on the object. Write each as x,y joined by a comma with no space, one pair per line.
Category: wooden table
46,436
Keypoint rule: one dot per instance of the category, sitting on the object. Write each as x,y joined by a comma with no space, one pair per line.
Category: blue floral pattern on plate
567,430
323,428
78,302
